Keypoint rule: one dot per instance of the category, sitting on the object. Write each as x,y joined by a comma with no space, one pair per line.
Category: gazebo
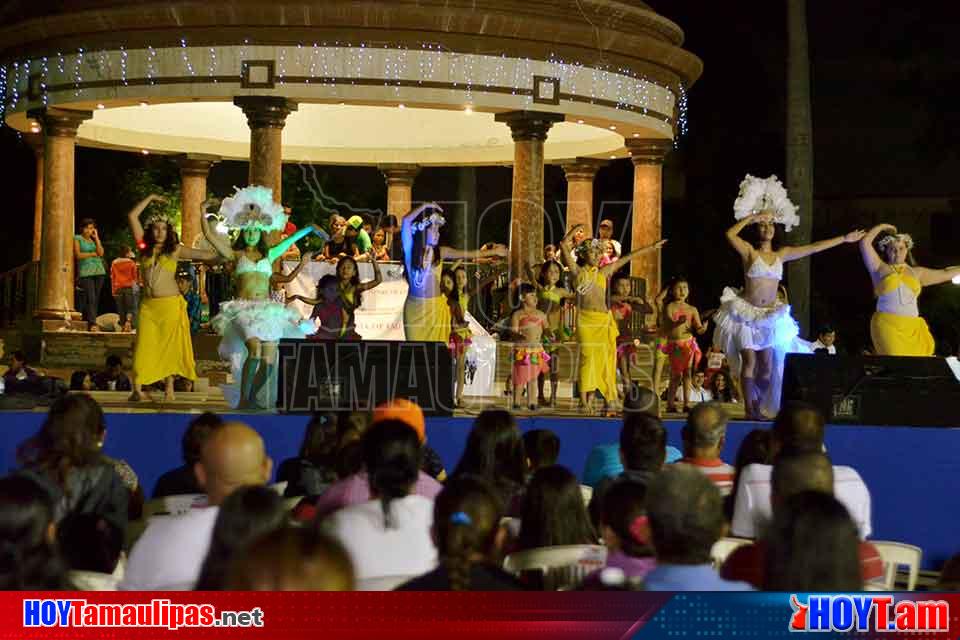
397,84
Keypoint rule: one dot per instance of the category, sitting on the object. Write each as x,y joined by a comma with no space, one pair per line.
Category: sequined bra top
760,269
246,265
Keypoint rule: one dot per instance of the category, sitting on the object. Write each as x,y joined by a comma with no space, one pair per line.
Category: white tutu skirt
265,320
740,325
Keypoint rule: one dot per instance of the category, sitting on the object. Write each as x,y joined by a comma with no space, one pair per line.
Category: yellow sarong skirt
597,337
426,319
164,347
895,335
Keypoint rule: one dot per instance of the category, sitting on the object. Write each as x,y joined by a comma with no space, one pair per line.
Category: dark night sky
885,123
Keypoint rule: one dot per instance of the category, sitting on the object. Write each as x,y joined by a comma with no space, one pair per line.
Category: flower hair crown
253,208
433,219
159,218
586,245
765,194
894,238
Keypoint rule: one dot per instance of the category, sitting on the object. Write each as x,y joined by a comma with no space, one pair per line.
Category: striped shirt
719,472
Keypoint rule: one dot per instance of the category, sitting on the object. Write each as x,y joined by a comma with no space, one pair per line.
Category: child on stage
551,296
460,334
596,328
681,347
621,304
529,359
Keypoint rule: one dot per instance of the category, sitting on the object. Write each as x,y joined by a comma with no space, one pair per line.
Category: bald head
798,428
793,474
705,430
233,456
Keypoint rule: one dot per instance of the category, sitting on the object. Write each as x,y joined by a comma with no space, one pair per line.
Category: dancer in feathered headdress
752,327
253,324
897,329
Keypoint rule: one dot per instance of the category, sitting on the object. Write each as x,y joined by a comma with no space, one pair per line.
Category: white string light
123,66
186,57
44,73
212,64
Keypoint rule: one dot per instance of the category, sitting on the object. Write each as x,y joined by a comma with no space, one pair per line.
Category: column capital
196,164
265,111
648,151
529,125
399,174
59,122
582,168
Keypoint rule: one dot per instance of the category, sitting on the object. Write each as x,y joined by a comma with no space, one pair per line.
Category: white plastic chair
562,566
895,554
587,492
723,547
382,583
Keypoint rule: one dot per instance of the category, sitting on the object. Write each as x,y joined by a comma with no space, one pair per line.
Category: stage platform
912,472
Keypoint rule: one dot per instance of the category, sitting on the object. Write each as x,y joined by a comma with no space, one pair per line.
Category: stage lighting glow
956,280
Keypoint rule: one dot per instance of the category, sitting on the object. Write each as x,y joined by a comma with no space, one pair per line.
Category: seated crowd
368,505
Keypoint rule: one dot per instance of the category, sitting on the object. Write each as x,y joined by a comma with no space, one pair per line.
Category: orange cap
404,411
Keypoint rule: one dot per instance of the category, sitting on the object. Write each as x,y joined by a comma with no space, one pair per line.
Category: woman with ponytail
626,532
28,554
388,535
467,531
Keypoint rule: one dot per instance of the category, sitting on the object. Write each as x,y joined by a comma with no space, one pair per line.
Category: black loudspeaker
875,390
356,376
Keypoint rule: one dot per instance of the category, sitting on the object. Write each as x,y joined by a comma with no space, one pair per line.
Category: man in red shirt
793,474
123,283
703,439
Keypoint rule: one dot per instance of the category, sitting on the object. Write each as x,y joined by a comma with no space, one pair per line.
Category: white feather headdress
765,194
253,207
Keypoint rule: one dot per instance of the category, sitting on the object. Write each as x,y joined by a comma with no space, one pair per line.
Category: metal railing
18,293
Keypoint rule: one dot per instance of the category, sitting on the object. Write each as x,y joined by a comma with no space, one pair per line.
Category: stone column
56,251
400,179
194,169
266,116
580,174
647,158
529,130
36,143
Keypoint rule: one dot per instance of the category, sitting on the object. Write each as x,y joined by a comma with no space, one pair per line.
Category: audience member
123,285
799,428
406,411
605,232
542,448
171,551
65,456
469,540
641,400
754,449
697,392
292,559
183,480
194,308
826,339
685,512
643,450
704,435
813,546
388,535
91,272
93,551
355,488
81,381
245,515
112,378
29,560
795,475
315,469
19,378
553,511
720,388
625,529
495,453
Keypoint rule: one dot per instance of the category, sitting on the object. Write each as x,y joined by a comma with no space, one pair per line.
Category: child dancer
551,296
460,334
529,360
380,250
621,304
596,328
350,291
682,348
